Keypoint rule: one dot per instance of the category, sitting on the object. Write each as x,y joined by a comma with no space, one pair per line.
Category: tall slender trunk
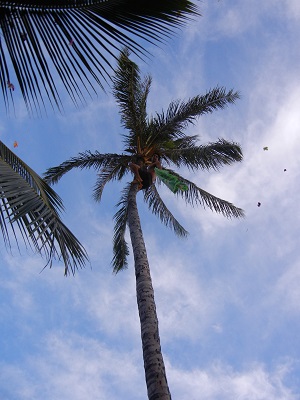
155,373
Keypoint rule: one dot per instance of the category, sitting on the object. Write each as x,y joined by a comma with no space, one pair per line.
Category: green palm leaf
109,173
205,157
28,202
120,246
88,159
197,196
171,125
79,40
158,207
131,95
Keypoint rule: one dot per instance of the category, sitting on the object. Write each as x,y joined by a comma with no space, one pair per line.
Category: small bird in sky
10,86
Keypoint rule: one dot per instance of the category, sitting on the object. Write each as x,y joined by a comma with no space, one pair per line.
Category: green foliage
28,202
77,40
158,208
120,246
211,156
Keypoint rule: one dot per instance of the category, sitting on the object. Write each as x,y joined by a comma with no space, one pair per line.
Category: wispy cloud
222,382
73,368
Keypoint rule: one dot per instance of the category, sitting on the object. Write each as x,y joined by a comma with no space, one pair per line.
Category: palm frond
197,196
107,174
51,199
205,157
158,208
171,125
29,203
86,159
120,246
78,40
131,93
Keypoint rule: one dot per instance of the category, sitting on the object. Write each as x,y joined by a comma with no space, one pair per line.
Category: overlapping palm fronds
51,42
30,204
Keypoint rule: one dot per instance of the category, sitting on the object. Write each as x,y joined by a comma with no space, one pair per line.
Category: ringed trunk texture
155,373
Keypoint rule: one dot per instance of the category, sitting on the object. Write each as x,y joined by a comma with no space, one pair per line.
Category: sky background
227,297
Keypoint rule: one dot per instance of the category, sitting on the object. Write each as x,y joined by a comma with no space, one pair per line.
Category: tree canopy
163,134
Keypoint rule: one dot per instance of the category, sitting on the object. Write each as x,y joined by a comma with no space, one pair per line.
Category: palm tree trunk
155,373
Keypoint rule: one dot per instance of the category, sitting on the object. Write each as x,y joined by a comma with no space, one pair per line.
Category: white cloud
110,302
292,8
222,382
186,307
286,296
70,367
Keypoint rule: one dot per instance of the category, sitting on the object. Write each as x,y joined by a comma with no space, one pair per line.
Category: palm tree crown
77,39
162,134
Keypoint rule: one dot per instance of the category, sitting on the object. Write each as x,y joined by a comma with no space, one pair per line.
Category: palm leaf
87,160
120,246
79,40
158,207
171,125
197,196
205,157
131,93
27,201
106,175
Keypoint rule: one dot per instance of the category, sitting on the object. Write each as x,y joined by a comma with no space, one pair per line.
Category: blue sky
228,296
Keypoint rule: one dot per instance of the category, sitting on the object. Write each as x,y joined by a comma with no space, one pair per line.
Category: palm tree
164,135
78,39
30,204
